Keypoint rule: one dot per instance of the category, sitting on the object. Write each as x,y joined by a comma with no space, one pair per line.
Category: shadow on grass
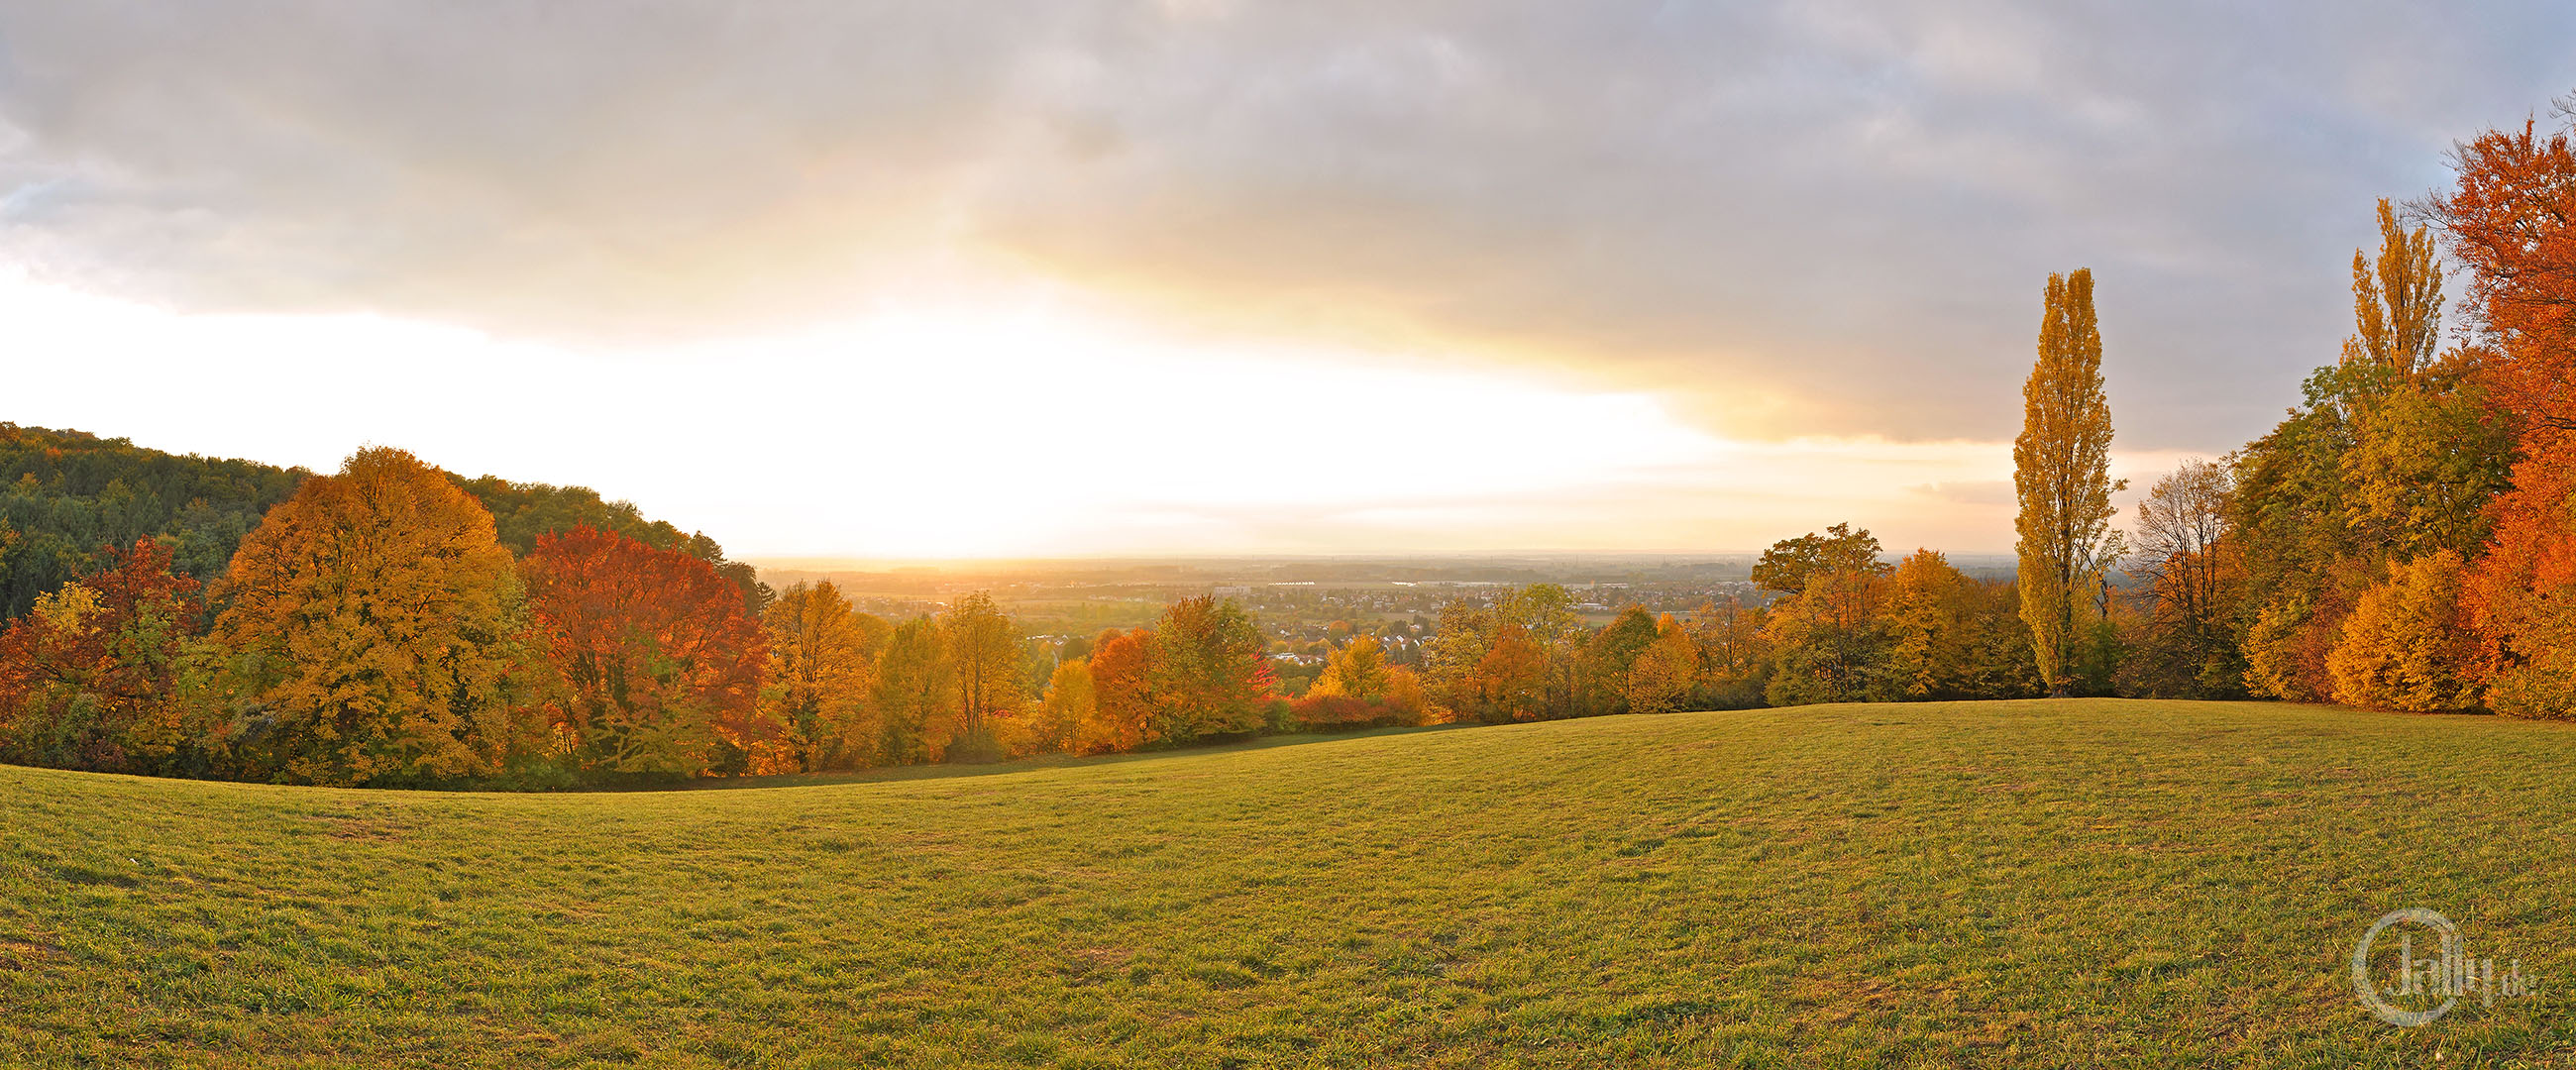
1023,765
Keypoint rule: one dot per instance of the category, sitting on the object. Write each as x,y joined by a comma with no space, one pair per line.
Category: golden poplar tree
2428,451
2061,471
2397,312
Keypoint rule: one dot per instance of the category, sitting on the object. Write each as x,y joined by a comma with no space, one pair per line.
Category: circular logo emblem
2446,938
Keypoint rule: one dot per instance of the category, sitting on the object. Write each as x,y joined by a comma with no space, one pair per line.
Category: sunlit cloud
1820,217
1104,277
1032,432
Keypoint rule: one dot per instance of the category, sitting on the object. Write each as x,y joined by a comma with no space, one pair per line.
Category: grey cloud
1816,216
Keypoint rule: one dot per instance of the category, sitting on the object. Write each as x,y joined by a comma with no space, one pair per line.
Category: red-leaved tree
1123,694
658,663
87,677
2508,221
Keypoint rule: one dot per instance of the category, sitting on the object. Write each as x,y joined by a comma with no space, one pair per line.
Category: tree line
2405,538
375,629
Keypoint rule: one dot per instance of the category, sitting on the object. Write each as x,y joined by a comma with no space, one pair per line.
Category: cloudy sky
872,280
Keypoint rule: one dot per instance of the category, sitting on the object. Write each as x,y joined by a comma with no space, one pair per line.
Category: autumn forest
2404,540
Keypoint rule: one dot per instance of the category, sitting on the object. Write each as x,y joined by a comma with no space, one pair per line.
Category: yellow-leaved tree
2405,647
983,654
911,691
1931,629
375,633
822,665
1664,671
2428,450
1071,703
2061,472
2397,312
1357,670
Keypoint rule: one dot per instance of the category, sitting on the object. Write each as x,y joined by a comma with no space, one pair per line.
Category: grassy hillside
2016,884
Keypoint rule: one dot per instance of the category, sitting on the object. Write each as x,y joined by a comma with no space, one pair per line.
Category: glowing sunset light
894,436
1183,278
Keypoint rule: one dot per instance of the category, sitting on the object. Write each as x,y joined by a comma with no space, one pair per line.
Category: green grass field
2014,884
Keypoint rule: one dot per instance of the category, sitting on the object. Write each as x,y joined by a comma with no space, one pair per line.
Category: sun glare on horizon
951,433
1017,428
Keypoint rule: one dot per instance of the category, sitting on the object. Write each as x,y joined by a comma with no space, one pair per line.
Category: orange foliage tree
1511,679
2508,221
2194,571
87,677
1122,693
657,664
1358,689
1452,657
1931,624
1662,673
374,633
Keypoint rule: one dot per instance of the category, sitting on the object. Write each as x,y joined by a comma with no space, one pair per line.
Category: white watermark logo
2446,972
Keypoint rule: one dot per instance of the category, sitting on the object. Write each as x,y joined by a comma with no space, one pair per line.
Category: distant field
2010,884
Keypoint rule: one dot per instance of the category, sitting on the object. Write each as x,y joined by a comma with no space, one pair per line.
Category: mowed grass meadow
2049,883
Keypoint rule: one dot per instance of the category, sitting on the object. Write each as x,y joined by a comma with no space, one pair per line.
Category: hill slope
2030,883
65,496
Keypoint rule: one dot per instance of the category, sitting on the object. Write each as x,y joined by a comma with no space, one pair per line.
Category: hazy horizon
832,564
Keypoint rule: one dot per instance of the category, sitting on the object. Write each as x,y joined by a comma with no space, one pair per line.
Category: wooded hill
68,497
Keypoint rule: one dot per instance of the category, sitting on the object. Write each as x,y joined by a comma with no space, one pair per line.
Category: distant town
1304,606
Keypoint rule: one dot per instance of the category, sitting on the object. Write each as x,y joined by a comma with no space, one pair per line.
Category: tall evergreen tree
2061,471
